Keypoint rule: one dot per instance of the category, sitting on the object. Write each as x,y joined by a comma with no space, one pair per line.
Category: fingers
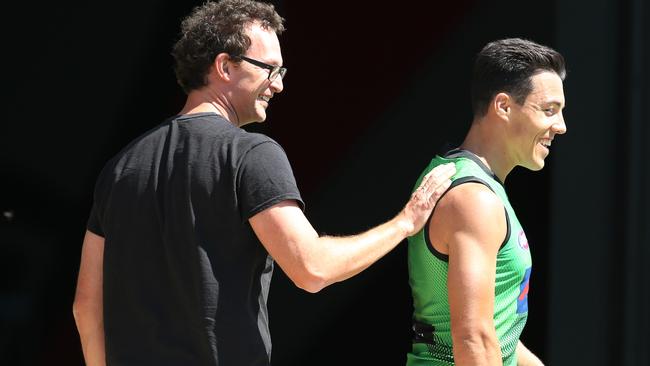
424,199
439,191
438,179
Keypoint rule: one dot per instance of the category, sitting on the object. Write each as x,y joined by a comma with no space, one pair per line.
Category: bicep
264,178
476,230
470,280
90,279
286,234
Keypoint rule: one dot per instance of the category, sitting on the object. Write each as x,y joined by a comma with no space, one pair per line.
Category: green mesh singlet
428,277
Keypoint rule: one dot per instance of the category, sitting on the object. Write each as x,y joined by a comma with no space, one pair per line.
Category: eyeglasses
274,71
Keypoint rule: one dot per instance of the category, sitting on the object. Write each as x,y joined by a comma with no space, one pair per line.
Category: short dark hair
507,65
217,27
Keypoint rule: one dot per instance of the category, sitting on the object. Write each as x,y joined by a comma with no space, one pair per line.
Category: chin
261,117
534,165
258,118
538,166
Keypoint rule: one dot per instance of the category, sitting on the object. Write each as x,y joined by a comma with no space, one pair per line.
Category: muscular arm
88,307
471,227
525,357
313,262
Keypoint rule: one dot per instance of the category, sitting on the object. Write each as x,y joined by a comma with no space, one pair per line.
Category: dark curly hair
217,27
506,66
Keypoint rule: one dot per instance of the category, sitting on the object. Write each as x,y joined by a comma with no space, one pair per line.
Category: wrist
404,225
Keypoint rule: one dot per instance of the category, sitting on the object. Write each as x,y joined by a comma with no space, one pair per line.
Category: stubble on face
254,87
540,119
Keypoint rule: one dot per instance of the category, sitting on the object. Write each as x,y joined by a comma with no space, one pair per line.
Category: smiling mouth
546,144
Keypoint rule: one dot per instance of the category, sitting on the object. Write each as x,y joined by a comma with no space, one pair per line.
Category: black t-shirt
185,278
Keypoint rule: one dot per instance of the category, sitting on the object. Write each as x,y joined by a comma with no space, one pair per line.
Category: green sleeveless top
432,344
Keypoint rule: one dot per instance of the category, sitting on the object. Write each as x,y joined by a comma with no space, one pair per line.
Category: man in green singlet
470,265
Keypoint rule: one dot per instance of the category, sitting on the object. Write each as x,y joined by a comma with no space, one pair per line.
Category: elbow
476,342
78,311
310,286
310,279
311,270
85,311
310,283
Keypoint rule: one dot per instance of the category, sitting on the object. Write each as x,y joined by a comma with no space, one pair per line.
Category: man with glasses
274,71
189,218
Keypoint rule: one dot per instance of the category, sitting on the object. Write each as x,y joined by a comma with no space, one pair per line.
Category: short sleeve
264,179
93,224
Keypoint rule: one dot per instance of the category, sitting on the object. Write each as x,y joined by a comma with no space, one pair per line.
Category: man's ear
222,66
502,105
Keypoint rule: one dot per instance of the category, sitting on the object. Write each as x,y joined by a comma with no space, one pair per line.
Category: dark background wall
373,92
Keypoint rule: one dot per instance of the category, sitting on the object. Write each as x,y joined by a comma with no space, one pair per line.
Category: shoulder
471,198
260,154
213,128
472,208
253,139
256,146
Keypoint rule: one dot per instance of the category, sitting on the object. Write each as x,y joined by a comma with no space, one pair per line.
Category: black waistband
422,333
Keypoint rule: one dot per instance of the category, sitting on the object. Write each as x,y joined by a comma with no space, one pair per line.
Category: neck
208,100
484,143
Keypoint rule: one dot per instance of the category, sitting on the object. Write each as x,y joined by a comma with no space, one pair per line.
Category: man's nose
276,85
559,127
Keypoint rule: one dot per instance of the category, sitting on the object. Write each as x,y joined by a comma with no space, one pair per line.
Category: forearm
88,308
312,261
526,358
344,257
90,325
477,349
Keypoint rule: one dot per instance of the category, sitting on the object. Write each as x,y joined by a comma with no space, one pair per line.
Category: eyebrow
556,104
